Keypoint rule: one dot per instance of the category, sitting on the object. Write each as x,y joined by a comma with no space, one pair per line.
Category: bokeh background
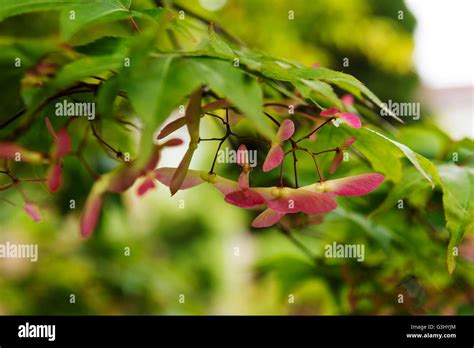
206,251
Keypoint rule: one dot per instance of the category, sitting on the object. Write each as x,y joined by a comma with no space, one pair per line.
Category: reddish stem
137,29
315,130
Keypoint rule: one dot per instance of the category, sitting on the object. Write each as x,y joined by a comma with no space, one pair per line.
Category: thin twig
216,116
299,245
313,156
211,139
272,118
315,130
103,142
325,151
7,201
73,90
13,118
14,178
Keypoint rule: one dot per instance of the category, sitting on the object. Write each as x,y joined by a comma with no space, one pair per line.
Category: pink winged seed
274,158
225,186
63,144
173,142
244,181
171,127
148,184
91,214
245,198
242,160
340,154
286,130
50,129
54,177
349,142
329,112
154,159
33,211
8,150
336,162
301,200
351,119
179,175
193,177
242,155
267,218
123,179
357,185
347,99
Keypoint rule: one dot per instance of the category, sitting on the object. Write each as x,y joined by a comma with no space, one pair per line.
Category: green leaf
426,139
414,158
30,52
238,87
155,87
159,87
85,67
342,80
289,270
382,155
94,12
458,202
410,183
321,88
378,232
464,148
218,44
106,46
106,96
274,71
9,8
70,74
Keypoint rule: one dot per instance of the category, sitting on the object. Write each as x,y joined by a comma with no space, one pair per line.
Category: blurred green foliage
192,251
360,37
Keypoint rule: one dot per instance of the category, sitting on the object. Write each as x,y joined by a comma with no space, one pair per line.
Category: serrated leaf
155,90
159,87
146,80
106,46
9,8
321,88
218,44
342,80
274,71
88,13
382,154
70,74
30,52
414,158
85,67
458,202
